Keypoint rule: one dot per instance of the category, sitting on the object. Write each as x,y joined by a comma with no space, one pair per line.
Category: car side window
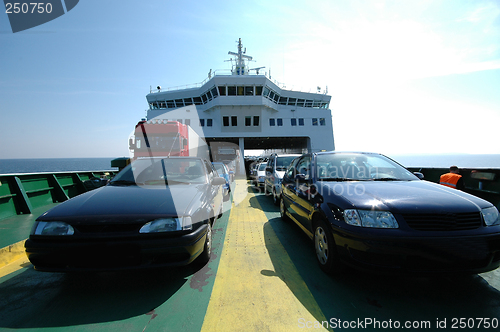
304,167
289,173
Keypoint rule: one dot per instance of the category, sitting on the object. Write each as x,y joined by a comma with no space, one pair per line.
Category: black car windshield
358,166
161,171
282,163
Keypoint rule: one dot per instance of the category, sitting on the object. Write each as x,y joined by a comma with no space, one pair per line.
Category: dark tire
325,248
276,199
266,192
204,258
284,217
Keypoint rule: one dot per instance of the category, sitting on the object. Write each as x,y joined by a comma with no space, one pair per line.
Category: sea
447,160
10,166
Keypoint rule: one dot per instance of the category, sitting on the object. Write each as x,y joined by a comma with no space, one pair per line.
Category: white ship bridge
248,109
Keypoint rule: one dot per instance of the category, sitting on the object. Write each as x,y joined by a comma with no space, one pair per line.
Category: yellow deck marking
14,266
12,253
257,287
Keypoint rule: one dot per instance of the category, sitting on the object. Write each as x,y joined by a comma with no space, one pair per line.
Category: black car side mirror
300,177
217,181
419,175
269,169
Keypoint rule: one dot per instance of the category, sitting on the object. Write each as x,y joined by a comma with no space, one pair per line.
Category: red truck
159,138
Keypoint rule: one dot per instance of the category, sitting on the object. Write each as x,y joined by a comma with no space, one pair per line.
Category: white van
275,169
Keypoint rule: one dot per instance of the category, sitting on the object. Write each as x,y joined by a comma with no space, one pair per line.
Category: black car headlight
370,218
167,225
490,216
52,228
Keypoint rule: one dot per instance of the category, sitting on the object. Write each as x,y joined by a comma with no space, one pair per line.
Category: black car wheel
284,217
276,199
207,249
324,246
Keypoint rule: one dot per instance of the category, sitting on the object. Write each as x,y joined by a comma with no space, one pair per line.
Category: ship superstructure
249,109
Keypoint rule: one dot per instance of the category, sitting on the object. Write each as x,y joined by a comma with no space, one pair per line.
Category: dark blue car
156,212
367,211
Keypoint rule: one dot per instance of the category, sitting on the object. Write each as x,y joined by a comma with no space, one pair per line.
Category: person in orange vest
452,179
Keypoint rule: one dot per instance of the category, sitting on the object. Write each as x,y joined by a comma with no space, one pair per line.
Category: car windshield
282,163
162,171
262,167
357,166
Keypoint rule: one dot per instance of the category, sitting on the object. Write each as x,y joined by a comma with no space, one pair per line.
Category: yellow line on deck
257,287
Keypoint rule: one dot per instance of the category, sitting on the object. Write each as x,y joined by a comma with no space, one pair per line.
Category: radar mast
240,68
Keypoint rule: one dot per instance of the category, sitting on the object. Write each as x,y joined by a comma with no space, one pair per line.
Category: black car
368,211
156,212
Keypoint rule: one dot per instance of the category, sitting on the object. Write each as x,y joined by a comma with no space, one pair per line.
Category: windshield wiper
337,179
123,182
387,179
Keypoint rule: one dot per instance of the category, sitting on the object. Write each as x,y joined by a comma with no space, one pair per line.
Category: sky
405,77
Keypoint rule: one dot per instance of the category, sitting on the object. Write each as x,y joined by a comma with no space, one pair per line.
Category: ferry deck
263,276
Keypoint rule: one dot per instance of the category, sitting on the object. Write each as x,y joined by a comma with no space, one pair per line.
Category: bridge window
240,90
301,121
249,91
188,101
258,90
314,121
309,103
292,101
197,101
293,122
179,103
282,100
266,91
222,90
170,104
214,92
300,102
272,122
231,91
279,122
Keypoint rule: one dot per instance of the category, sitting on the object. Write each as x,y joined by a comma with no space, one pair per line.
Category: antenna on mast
240,57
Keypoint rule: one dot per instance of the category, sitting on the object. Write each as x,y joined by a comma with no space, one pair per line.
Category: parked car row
367,211
359,209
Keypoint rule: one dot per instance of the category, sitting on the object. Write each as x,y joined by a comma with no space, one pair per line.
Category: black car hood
122,203
400,196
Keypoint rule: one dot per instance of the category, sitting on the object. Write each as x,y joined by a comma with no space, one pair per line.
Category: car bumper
420,255
116,254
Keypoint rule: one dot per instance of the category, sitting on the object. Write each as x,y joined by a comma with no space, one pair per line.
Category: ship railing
228,72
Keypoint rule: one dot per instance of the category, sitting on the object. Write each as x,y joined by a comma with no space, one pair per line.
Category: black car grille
444,222
108,228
